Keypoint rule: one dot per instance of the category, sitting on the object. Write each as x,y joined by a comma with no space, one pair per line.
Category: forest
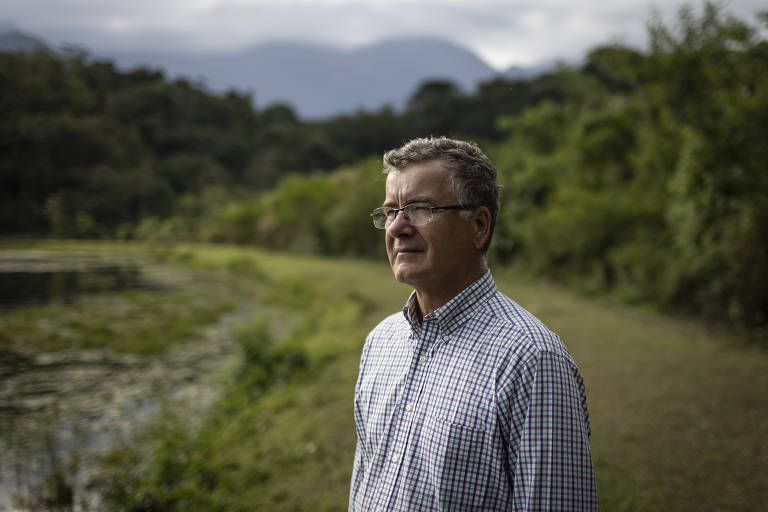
639,173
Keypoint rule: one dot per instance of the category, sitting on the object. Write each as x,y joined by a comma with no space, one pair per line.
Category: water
30,281
60,404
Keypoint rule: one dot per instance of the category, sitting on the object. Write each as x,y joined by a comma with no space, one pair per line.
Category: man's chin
406,273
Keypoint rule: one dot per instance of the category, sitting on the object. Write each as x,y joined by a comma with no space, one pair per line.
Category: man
465,401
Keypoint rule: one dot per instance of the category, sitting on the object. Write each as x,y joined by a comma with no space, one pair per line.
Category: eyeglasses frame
380,209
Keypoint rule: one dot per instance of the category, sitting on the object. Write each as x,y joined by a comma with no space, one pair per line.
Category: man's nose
399,226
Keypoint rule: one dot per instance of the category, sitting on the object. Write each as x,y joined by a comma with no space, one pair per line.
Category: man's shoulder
513,322
394,323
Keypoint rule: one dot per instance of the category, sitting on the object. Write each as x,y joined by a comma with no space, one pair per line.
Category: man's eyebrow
413,200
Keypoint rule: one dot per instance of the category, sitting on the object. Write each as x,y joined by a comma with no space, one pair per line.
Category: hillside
12,39
319,81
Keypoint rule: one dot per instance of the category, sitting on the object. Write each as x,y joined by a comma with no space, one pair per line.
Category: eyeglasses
416,214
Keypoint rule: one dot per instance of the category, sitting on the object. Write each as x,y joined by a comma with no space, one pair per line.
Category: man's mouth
407,250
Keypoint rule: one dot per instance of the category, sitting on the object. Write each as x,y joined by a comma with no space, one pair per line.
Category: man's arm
360,463
549,440
358,471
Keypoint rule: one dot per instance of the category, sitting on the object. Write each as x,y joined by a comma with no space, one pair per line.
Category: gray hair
472,174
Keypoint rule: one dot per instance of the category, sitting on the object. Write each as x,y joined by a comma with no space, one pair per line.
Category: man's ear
481,224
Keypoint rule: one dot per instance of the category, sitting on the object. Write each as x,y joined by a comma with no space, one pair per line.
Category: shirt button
408,407
395,458
379,509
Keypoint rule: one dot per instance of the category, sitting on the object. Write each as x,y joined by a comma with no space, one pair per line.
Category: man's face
434,256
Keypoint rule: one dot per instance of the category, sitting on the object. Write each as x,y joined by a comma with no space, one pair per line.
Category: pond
55,405
32,277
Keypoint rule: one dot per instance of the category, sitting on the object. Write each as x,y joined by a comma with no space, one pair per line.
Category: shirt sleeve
358,471
360,463
549,434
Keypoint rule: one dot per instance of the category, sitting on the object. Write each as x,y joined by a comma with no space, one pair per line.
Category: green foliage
641,173
105,149
655,187
320,213
263,361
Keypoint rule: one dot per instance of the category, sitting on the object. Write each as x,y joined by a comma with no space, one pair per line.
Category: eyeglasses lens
415,215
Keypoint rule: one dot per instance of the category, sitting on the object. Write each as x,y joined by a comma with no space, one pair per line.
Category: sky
501,32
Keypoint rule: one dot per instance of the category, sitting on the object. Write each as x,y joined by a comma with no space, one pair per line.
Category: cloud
502,32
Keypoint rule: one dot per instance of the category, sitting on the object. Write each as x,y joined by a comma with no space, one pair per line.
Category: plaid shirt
480,407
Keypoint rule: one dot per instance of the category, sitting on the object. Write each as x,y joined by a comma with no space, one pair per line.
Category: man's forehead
427,173
415,179
418,183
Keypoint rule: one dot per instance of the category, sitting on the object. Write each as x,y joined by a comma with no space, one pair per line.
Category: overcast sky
502,32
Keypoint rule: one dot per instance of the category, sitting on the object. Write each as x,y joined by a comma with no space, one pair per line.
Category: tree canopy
640,172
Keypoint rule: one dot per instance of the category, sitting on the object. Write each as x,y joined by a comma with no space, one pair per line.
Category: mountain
319,81
12,40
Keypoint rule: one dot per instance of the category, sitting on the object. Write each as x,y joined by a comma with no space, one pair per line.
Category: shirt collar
453,313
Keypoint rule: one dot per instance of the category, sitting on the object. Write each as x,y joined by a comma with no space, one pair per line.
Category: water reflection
22,286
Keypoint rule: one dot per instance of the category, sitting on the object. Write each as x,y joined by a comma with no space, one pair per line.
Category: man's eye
420,210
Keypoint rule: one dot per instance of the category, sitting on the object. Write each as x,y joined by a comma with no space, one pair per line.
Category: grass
678,411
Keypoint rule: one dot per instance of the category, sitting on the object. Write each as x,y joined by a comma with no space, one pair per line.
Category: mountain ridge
320,80
316,80
13,39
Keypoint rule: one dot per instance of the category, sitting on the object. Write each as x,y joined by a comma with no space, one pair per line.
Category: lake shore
60,405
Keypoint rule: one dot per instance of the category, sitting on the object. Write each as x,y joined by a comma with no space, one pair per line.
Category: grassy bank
678,411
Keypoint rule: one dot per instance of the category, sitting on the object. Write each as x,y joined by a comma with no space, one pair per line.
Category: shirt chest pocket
456,457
